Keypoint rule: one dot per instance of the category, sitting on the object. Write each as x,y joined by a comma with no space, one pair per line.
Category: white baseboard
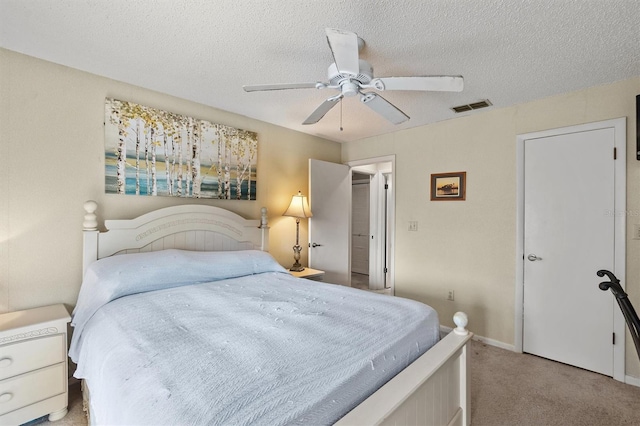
633,381
495,343
446,330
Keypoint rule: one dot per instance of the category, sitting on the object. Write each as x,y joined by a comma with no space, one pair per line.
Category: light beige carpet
516,389
508,388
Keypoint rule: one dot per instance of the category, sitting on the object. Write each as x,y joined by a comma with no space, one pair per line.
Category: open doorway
360,220
371,225
330,193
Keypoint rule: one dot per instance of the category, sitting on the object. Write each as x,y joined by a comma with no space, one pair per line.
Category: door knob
533,257
316,245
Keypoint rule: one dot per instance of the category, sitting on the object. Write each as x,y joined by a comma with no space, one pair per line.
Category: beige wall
52,151
469,246
51,146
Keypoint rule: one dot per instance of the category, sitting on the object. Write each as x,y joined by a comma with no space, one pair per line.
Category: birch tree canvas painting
159,153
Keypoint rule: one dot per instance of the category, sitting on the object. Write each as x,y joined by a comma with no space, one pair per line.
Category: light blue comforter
259,348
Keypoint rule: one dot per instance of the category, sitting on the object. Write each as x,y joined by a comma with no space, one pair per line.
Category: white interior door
330,226
568,189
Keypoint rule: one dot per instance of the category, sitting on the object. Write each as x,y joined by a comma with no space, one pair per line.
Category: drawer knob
5,362
6,397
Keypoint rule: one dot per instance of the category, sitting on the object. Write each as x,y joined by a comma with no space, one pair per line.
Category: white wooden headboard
187,227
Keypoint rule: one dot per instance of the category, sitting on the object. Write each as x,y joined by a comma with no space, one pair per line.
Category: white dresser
33,364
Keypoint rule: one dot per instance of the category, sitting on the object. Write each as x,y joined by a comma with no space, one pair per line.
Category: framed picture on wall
448,186
152,152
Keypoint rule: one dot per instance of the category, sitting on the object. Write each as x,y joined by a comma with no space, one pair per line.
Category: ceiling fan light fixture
349,89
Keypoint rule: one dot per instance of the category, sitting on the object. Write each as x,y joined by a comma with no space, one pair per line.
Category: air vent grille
469,107
461,108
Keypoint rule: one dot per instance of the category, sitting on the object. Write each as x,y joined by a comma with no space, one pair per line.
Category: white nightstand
33,364
308,273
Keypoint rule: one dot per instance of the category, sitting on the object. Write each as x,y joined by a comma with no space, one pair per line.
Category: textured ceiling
203,50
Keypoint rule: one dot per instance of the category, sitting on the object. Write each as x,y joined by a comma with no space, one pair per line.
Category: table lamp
299,208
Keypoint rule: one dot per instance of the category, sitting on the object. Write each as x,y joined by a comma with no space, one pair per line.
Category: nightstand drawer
27,355
29,388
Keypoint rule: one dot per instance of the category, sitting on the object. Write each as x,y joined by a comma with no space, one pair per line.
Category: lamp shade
299,207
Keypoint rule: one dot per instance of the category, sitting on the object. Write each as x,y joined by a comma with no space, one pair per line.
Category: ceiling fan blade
440,83
283,86
344,47
384,108
323,109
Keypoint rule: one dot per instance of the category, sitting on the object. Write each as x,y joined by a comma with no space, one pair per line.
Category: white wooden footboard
433,390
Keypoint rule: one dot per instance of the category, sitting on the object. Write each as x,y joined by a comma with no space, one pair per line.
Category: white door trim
620,177
391,244
376,232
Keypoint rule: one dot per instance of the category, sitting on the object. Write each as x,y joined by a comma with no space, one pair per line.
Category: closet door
568,236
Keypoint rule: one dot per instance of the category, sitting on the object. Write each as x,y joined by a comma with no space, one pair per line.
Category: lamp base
297,267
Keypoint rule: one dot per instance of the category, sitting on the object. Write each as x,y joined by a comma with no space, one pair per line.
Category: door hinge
613,342
386,270
386,186
615,153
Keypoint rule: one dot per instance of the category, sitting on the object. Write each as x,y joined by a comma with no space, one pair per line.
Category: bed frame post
264,226
465,386
461,320
90,235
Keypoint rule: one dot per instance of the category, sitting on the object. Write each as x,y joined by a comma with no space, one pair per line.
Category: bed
184,318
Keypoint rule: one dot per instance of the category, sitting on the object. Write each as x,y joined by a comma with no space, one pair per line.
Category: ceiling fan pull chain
341,115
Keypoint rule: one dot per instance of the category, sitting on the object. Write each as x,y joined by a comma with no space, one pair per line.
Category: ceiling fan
351,75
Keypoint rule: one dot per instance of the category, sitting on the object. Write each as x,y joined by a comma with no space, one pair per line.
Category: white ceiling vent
469,107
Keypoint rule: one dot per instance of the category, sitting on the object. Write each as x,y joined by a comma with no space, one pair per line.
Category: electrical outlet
636,231
413,225
450,296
